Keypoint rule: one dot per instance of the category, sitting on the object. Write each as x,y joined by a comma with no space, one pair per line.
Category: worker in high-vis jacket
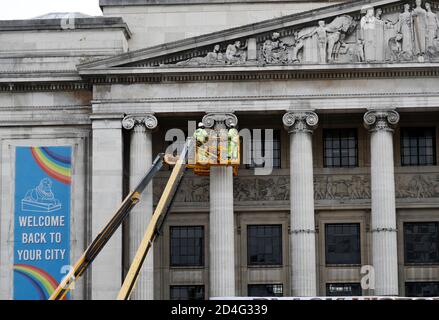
201,138
233,143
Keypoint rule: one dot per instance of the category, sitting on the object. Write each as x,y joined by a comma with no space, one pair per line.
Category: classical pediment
358,32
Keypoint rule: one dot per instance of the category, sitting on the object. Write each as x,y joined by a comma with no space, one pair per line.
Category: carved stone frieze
417,186
341,188
191,190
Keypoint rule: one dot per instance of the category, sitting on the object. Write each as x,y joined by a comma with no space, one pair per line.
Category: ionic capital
301,121
217,120
149,121
381,120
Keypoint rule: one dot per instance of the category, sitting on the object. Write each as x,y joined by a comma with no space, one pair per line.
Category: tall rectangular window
264,245
343,290
187,246
421,242
258,147
265,290
187,292
418,146
340,148
342,244
422,289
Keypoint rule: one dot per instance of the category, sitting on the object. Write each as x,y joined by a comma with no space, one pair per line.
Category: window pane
422,289
343,290
187,293
340,148
265,290
421,243
187,246
264,245
342,242
416,144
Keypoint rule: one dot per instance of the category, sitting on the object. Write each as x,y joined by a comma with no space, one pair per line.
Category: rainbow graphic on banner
43,282
55,165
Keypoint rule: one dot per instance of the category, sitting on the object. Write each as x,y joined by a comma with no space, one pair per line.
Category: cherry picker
217,157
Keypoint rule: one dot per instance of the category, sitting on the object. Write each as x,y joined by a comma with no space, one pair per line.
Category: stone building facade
350,90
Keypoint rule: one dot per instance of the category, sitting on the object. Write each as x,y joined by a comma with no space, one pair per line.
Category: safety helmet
200,125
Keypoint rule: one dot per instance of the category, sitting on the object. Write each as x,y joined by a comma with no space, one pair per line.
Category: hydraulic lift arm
155,224
101,240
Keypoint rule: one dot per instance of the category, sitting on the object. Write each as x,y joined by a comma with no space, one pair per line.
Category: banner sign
41,220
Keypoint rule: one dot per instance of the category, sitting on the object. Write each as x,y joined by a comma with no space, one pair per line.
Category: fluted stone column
221,220
384,233
300,125
140,162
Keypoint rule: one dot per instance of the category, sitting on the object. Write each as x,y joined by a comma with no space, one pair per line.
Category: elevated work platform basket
214,156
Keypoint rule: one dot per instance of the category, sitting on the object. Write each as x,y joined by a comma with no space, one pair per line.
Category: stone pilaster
221,220
139,218
300,125
107,172
384,233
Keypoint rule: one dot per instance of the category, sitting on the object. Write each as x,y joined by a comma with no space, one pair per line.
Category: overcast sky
25,9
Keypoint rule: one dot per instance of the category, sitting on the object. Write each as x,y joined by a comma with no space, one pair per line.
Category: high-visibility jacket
233,137
201,135
201,138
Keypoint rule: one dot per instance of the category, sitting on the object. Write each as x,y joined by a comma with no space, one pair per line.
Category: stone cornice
56,24
39,76
255,73
71,81
44,86
56,80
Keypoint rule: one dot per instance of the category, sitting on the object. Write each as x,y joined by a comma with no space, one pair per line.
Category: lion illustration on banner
41,198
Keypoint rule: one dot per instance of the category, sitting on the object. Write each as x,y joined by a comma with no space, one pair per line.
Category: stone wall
166,21
58,44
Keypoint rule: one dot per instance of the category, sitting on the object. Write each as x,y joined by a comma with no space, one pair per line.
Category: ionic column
221,220
107,173
300,125
384,237
139,218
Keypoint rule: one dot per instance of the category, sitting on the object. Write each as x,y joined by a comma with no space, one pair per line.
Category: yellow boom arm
154,226
102,238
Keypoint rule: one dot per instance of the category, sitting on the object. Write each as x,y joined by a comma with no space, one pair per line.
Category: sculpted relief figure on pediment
320,44
235,54
411,35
